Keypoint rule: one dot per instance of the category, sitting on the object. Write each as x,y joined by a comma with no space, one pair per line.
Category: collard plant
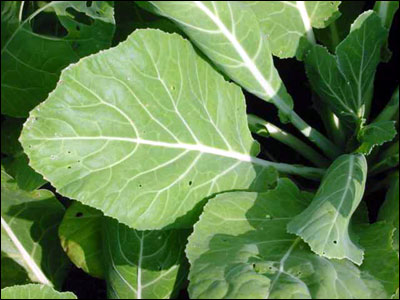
129,152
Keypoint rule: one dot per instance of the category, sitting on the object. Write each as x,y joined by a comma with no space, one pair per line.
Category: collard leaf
376,134
345,82
81,236
29,223
169,131
31,62
332,35
229,34
240,249
144,264
135,264
389,211
34,291
324,225
289,25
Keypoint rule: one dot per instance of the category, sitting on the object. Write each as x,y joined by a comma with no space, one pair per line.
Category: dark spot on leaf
78,214
69,167
78,27
190,182
254,266
140,185
69,152
335,242
89,3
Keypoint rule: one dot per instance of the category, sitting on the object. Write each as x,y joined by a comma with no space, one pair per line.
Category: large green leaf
345,82
144,264
229,33
34,291
144,132
389,211
31,62
81,234
29,222
376,134
241,249
288,25
324,225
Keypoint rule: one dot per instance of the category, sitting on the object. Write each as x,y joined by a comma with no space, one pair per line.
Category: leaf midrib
30,263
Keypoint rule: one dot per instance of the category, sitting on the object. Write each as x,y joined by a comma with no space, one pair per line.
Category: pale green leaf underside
376,134
144,132
80,234
29,223
34,291
229,33
288,24
324,225
143,264
240,249
345,81
389,211
31,63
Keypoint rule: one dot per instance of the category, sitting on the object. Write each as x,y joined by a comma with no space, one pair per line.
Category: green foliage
134,138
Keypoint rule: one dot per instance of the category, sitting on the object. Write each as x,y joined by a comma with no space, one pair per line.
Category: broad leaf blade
29,223
240,249
288,25
345,81
31,63
324,225
34,291
389,211
169,132
144,264
376,134
229,33
81,237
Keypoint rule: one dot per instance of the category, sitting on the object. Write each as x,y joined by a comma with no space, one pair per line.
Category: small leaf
34,291
345,82
376,134
324,225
